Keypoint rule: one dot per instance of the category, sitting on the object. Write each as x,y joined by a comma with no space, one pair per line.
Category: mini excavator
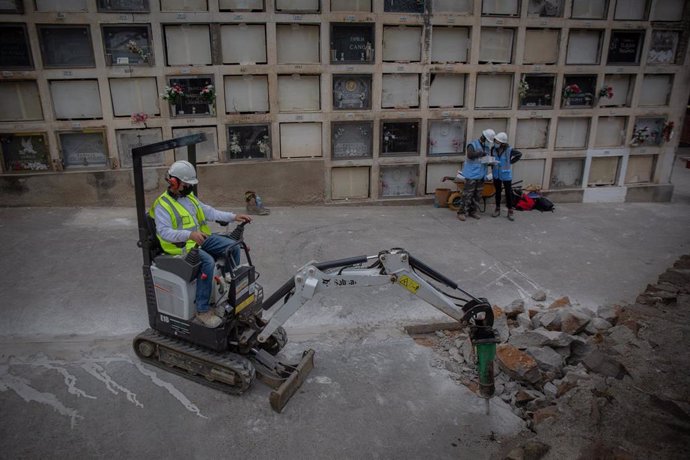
246,344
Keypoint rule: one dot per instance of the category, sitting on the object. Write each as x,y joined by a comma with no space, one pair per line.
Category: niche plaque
536,91
249,142
351,92
579,90
127,45
117,6
399,138
14,42
625,47
352,43
25,152
193,102
446,137
83,149
66,46
352,139
662,49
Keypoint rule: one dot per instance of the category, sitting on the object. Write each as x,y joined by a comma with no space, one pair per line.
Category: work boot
219,311
461,216
510,215
497,212
474,215
209,319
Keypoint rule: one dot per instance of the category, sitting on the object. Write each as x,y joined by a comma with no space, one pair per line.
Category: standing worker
182,223
475,171
503,172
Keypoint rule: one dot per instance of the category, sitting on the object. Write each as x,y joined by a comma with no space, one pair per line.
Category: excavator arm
398,267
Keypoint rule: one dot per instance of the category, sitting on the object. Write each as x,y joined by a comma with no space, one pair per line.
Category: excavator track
228,372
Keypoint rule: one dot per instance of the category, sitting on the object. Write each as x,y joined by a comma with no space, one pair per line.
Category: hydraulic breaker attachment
285,379
484,341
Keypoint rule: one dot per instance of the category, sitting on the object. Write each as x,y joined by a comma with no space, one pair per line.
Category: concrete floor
72,300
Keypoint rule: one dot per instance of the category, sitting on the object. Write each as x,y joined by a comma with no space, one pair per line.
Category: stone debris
539,296
560,363
515,308
603,364
517,364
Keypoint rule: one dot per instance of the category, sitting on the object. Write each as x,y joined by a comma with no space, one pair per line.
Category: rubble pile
545,352
564,368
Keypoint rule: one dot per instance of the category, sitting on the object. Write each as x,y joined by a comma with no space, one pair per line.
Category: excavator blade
285,379
281,395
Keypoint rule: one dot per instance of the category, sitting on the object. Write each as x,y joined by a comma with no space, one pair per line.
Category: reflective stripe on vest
473,168
180,219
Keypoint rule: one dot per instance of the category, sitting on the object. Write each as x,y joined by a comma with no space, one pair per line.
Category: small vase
212,109
173,109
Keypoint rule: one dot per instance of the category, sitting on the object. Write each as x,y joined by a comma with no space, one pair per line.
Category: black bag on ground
543,204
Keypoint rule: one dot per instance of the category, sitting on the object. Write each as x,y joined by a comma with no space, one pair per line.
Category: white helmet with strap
489,135
184,171
501,138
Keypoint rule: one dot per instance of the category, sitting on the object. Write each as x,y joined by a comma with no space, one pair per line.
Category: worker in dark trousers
503,172
474,170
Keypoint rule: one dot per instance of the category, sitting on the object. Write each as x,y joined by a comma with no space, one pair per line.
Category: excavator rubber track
228,372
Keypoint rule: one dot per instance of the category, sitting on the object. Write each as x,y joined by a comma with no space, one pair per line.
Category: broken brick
517,364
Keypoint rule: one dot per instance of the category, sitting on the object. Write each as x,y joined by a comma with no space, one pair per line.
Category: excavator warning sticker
244,304
409,284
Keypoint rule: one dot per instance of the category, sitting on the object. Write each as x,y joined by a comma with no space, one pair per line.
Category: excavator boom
396,267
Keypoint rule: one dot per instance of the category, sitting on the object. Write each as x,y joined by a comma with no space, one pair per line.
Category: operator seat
185,266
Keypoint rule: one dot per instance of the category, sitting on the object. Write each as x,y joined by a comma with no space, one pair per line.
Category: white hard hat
489,134
501,138
184,171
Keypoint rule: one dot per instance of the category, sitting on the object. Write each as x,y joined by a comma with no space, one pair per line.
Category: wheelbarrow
455,198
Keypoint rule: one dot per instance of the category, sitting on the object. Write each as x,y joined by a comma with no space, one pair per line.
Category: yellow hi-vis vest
181,219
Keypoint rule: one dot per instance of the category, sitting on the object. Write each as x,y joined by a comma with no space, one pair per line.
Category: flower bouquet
667,131
571,90
640,135
208,94
173,94
523,87
134,48
606,92
140,117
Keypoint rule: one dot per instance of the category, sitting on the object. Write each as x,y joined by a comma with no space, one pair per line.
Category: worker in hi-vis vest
182,223
474,169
